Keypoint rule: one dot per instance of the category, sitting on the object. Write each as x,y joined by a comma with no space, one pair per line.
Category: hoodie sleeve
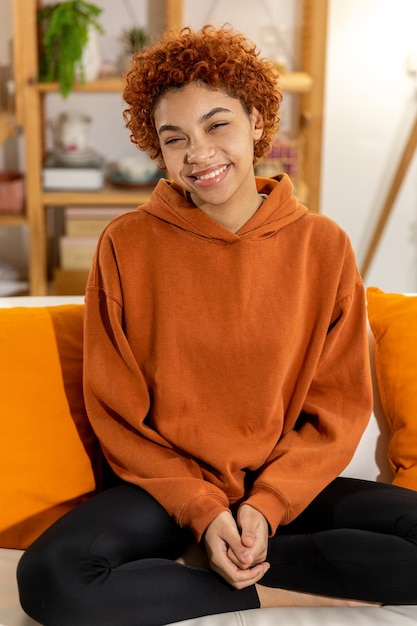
118,401
335,412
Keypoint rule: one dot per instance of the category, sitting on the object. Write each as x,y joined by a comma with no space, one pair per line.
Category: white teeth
212,174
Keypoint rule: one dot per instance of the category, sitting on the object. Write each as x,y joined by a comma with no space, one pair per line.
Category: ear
257,123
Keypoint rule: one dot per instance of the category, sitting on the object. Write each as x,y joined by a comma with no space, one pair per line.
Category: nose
200,151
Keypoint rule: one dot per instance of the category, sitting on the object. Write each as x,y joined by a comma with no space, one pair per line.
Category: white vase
89,66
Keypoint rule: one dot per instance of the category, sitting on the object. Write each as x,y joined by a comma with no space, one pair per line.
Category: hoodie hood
169,203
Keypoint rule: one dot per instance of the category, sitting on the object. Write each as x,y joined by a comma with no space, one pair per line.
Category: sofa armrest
12,301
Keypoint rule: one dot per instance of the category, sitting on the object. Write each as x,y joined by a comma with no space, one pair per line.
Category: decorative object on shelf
75,176
72,164
133,172
70,131
133,40
89,67
69,50
12,193
285,156
272,39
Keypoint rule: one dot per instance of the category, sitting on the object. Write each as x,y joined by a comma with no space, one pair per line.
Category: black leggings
112,560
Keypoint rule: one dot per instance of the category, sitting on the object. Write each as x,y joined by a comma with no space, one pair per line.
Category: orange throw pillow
393,320
49,456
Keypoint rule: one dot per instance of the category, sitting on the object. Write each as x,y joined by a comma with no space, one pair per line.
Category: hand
253,532
239,562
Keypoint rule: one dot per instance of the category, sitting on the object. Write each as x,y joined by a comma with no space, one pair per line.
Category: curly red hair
219,57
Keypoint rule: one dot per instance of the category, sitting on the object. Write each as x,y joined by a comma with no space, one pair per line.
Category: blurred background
368,84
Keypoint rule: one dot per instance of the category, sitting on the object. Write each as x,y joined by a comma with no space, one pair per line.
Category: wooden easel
402,168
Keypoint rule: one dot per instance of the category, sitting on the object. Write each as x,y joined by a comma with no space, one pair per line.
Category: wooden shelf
296,82
12,220
108,196
102,85
30,115
7,126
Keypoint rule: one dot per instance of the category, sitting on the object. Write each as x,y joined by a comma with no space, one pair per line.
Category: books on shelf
88,176
70,282
76,253
82,228
90,221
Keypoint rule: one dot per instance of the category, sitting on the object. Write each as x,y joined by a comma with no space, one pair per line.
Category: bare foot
270,597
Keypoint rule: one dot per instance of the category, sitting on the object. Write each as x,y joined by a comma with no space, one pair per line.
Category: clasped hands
237,549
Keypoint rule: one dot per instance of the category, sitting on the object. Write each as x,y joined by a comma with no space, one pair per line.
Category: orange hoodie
222,367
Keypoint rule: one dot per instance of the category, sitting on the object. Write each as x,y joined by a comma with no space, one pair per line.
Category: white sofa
369,462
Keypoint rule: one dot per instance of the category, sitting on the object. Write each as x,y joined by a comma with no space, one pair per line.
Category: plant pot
89,66
12,196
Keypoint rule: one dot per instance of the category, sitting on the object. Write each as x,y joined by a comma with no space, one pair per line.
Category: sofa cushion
393,320
49,456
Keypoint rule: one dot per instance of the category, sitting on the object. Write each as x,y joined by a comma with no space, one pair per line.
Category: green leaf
65,34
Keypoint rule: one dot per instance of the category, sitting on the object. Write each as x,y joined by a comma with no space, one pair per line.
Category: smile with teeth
212,174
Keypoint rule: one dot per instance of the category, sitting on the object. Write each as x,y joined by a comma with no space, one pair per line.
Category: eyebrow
202,119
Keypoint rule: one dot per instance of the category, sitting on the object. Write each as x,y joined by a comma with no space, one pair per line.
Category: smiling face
207,141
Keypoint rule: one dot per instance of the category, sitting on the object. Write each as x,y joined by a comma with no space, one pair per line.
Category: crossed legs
120,556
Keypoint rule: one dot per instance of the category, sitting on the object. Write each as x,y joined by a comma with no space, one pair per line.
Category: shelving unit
12,220
6,126
30,97
8,129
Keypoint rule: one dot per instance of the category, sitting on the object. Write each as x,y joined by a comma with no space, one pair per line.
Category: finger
244,578
244,559
227,561
248,530
240,555
257,557
251,522
254,532
259,548
231,568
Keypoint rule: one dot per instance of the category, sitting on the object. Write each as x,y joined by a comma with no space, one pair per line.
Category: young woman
226,376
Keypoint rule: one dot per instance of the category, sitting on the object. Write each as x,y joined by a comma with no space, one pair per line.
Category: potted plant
66,29
133,40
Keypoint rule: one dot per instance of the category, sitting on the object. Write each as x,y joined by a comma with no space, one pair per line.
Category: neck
232,217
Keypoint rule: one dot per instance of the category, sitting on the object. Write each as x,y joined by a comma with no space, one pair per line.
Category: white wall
370,104
253,17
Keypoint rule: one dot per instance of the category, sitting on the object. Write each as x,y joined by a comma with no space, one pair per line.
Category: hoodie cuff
271,505
201,511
